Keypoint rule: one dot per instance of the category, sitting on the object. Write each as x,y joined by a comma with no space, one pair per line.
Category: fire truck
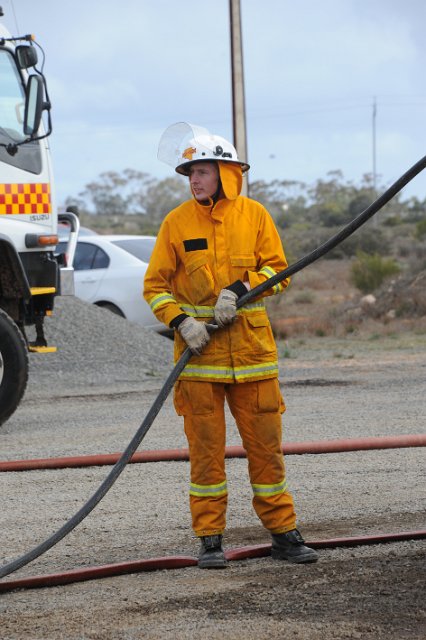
31,274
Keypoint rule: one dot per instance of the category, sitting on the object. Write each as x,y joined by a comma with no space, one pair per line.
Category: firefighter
210,251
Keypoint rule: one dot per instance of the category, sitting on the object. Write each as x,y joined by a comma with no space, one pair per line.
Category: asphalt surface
93,396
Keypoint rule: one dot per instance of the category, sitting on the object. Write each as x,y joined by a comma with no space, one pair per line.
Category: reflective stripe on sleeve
269,272
269,489
208,490
160,299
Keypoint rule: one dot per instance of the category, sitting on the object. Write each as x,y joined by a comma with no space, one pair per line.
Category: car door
90,265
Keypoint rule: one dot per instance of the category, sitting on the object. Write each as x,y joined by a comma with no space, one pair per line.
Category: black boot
291,546
211,553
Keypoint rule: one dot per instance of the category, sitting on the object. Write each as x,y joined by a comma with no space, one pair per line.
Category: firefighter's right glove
195,334
225,310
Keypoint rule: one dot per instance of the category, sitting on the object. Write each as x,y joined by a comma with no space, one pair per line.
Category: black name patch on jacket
195,244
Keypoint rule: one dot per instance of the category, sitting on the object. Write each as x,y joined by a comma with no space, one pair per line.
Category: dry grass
321,301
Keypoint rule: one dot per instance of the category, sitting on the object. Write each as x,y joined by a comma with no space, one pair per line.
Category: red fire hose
164,455
121,463
179,562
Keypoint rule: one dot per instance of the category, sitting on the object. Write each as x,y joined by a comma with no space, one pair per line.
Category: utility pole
374,146
238,99
374,116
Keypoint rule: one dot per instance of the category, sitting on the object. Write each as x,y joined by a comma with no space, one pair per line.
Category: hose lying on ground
106,485
179,562
169,455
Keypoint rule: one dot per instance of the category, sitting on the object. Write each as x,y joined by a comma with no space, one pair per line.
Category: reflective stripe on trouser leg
202,405
257,407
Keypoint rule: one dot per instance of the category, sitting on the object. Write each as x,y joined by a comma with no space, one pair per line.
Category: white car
109,272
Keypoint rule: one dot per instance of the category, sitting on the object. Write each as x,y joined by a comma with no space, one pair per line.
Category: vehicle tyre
13,366
111,307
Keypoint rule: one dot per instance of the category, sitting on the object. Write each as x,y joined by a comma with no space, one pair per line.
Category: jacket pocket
269,399
261,336
192,397
241,264
200,277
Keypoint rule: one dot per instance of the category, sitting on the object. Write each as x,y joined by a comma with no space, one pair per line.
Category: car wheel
113,308
13,366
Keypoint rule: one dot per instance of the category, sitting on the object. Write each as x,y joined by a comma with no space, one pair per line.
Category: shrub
369,271
304,297
393,221
421,229
368,239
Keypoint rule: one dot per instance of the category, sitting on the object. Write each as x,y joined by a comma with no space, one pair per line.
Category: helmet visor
176,139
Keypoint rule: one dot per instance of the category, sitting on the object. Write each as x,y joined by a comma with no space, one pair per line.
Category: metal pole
374,147
374,154
238,99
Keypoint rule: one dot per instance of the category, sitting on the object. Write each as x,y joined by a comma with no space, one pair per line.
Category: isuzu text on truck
30,274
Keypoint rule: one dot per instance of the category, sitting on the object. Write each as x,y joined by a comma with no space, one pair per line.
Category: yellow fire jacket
201,249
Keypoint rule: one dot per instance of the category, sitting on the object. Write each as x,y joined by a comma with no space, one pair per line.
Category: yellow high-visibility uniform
200,250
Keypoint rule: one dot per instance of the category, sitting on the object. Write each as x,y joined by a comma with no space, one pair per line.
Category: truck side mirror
26,56
33,105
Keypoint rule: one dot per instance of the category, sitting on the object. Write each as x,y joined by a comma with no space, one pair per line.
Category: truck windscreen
12,105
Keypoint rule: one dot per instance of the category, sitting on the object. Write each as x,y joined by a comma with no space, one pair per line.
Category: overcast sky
119,73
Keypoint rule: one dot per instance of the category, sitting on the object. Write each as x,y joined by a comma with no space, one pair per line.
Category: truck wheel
13,366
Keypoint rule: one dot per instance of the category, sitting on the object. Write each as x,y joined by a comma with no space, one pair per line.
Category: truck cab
30,273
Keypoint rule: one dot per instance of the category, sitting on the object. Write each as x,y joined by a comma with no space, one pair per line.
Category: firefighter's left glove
225,310
195,334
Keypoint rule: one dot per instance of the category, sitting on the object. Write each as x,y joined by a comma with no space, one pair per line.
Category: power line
313,111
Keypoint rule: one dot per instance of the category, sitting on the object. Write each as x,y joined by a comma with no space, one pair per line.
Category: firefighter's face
204,180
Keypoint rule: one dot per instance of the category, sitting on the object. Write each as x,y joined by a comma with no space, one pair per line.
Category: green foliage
131,193
393,221
359,203
415,210
132,201
369,271
420,232
331,199
165,195
367,239
304,297
284,199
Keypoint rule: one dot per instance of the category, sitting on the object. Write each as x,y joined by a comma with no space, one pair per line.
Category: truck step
39,291
34,349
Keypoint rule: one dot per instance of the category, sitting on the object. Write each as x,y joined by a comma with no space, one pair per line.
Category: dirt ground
334,388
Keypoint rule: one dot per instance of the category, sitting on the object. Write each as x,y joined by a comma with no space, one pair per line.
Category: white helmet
182,144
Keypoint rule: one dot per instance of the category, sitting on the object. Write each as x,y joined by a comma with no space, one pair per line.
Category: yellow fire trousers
257,407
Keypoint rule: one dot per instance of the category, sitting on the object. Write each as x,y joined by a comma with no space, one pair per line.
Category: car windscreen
141,248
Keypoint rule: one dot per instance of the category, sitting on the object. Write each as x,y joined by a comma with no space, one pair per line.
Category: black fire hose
184,359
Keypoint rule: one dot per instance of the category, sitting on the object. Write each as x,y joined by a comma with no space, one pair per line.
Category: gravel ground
91,397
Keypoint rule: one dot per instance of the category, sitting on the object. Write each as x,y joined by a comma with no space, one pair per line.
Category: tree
331,199
115,193
164,195
284,199
416,209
